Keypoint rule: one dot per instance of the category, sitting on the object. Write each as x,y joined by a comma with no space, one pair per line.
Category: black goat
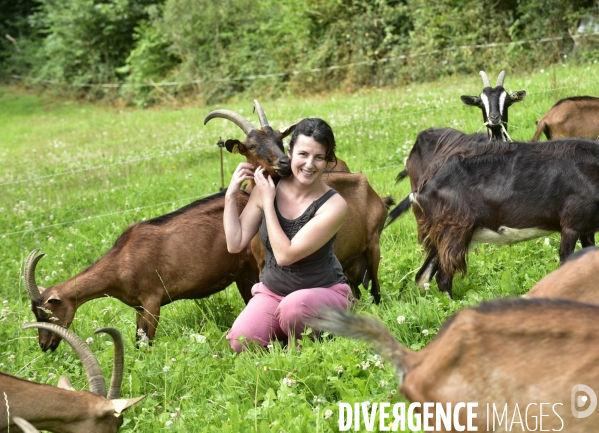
504,193
494,103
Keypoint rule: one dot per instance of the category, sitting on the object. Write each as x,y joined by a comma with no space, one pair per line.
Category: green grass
74,176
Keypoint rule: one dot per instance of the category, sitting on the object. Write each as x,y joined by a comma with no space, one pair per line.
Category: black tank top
319,269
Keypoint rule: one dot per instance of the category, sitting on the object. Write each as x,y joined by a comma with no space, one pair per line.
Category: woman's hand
243,172
265,185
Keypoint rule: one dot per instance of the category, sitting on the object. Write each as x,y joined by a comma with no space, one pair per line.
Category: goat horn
29,271
500,79
485,78
89,361
118,363
234,117
25,425
261,115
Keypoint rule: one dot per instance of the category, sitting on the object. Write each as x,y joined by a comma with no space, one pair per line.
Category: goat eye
252,147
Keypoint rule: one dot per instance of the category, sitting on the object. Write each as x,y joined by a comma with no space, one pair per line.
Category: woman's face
307,159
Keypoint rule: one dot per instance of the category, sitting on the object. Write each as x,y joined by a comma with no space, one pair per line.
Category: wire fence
206,147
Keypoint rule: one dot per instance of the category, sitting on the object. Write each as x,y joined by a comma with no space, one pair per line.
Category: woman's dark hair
320,131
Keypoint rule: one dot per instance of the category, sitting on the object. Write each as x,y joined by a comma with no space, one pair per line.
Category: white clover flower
328,414
547,241
339,369
425,332
289,382
47,278
365,365
198,338
89,340
427,286
142,344
384,383
168,423
5,302
173,359
166,368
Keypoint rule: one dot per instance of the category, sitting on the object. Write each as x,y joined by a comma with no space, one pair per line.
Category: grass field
74,176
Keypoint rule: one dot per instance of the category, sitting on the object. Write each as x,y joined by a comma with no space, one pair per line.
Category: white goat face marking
502,102
507,235
485,99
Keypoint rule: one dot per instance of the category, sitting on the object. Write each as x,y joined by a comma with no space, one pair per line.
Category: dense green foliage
75,175
212,50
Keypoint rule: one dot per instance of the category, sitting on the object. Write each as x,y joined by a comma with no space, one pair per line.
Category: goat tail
402,175
366,328
388,201
400,209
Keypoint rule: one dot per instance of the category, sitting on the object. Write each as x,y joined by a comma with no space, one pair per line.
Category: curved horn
500,79
234,117
89,361
485,78
261,115
118,363
29,271
25,425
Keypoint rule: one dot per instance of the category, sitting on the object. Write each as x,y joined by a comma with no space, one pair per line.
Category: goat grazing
574,280
181,255
516,352
357,245
494,103
577,116
62,409
504,193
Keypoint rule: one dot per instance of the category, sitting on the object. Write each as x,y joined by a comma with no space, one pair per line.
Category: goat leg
587,240
568,243
445,282
147,319
429,268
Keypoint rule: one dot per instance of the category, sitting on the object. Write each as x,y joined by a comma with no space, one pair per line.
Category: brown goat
357,245
515,354
575,280
62,409
577,116
181,255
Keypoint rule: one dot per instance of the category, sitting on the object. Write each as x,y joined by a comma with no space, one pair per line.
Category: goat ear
120,404
65,383
471,100
288,130
41,289
517,96
53,299
232,145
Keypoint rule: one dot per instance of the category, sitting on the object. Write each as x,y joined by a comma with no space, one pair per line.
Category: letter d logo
580,401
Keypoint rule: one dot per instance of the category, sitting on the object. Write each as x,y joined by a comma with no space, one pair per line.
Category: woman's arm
318,231
240,229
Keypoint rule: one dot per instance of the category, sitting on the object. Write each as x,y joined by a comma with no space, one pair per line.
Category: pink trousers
269,316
